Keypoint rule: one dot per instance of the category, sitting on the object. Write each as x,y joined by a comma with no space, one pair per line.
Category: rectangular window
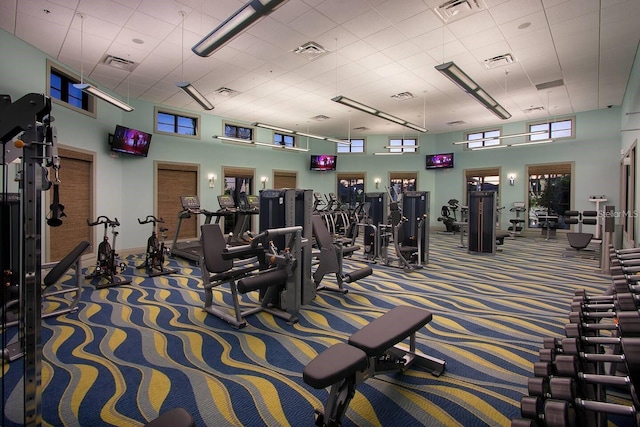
284,140
483,138
177,124
403,145
357,146
62,90
556,129
239,132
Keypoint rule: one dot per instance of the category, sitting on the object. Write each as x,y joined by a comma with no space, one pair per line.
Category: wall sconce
264,181
512,179
212,180
377,181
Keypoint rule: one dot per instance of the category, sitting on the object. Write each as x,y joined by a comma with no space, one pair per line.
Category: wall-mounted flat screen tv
439,161
323,162
130,141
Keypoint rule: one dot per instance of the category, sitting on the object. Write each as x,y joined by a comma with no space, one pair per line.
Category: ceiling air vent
456,9
534,109
456,123
549,85
498,61
403,96
119,63
226,92
310,50
320,117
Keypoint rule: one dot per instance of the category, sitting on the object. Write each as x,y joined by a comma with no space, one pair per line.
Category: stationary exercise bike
154,258
106,264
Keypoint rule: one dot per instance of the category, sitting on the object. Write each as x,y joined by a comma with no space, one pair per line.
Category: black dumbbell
578,411
626,324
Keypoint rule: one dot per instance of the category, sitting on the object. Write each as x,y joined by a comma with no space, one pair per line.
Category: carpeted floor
135,351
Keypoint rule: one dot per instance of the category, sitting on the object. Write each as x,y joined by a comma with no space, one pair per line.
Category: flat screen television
130,141
439,161
323,162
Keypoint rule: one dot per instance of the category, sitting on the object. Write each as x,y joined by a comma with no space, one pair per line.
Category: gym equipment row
405,229
372,350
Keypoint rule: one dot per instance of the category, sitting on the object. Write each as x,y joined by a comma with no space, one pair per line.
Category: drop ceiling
367,50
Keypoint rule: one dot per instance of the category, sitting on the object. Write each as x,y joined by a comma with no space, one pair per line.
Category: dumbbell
626,323
524,422
624,301
559,412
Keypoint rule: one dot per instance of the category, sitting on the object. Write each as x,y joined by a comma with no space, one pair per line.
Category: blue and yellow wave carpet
132,352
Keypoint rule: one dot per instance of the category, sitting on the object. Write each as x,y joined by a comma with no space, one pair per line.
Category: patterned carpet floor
132,352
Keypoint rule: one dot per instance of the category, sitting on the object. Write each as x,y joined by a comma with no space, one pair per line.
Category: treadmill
190,249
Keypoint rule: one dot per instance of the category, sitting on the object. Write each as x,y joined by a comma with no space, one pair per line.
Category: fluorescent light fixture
370,110
541,141
466,83
276,128
339,141
230,139
197,96
388,153
515,135
262,144
295,132
489,147
243,18
279,147
104,96
401,147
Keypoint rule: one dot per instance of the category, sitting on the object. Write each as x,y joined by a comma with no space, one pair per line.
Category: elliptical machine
106,264
154,258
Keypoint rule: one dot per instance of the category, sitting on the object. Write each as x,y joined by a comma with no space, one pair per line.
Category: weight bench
374,349
51,287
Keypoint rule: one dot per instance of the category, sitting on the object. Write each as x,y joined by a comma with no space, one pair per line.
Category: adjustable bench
372,350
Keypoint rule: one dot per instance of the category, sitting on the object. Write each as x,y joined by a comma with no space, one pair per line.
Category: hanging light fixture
88,88
295,132
466,83
187,87
243,18
374,112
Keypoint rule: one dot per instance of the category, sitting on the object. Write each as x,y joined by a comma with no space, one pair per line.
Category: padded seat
386,331
177,417
335,363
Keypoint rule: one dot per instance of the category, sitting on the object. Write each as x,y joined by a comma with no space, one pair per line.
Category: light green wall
125,184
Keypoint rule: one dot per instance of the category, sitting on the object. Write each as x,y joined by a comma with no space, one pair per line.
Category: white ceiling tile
312,24
514,9
366,24
340,11
376,48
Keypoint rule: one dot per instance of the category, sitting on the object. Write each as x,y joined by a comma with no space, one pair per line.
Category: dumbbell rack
573,375
597,200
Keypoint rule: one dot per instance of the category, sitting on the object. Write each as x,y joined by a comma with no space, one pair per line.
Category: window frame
404,148
72,78
348,149
238,126
473,143
549,124
294,140
176,114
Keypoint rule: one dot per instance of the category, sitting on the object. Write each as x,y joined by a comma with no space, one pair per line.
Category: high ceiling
376,49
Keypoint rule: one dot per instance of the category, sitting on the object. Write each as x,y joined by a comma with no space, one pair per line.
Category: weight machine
30,118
